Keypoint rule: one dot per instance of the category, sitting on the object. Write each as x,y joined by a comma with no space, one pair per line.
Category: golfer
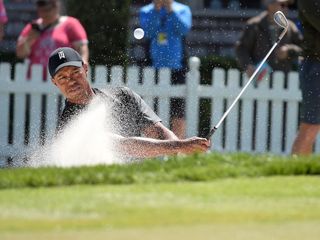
133,116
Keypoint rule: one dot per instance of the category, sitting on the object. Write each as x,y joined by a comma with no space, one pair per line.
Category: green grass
213,196
180,169
235,208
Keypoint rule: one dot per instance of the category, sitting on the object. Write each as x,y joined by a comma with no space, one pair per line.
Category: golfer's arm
146,147
159,131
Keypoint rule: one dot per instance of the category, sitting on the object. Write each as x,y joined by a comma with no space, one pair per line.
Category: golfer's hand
194,144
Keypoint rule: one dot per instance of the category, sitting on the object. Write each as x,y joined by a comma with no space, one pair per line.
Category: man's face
160,3
47,9
73,84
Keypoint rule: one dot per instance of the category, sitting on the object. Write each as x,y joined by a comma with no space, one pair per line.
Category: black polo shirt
130,114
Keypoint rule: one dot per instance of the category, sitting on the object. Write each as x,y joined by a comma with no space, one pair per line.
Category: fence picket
261,118
5,72
292,111
4,119
101,77
19,118
132,77
246,130
4,100
51,116
317,144
148,83
164,101
255,100
277,115
192,101
117,76
233,116
35,105
246,125
218,76
19,113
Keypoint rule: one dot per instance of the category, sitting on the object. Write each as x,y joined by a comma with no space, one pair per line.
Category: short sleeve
76,32
146,116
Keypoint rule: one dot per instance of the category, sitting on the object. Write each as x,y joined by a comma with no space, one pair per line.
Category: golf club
282,21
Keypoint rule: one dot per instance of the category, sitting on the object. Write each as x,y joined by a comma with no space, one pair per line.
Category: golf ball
138,33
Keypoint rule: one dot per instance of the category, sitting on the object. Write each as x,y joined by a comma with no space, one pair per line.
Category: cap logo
61,55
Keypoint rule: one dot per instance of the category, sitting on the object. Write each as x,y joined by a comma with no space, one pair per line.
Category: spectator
166,23
3,19
309,77
50,31
261,33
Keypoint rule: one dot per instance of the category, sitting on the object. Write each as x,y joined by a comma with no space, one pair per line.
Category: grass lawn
278,207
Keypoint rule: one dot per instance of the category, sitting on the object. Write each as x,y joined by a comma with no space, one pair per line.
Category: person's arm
159,131
294,48
25,41
83,50
150,22
78,37
180,21
140,147
291,50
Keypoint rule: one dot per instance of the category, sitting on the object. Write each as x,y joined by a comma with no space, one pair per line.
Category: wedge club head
282,21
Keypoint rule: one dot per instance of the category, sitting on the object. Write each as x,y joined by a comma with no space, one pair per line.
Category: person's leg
303,144
310,107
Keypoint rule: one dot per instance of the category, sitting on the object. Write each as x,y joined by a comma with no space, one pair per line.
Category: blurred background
216,26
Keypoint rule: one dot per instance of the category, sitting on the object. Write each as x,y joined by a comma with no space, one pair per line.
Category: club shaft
242,91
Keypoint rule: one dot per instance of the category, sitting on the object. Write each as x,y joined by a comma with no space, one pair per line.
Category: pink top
67,33
3,14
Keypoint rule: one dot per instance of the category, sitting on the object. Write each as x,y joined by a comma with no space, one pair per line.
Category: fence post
19,104
192,99
164,101
117,76
35,105
217,105
148,82
4,109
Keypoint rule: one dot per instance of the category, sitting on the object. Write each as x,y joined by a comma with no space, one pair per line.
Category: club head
281,19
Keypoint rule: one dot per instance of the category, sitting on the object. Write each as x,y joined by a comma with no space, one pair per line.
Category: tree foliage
106,23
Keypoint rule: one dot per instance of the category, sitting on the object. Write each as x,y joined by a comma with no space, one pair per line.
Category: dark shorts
310,86
177,105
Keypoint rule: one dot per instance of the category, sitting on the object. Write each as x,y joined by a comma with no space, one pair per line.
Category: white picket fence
265,120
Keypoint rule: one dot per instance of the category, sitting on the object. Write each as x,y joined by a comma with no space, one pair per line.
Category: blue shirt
165,31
